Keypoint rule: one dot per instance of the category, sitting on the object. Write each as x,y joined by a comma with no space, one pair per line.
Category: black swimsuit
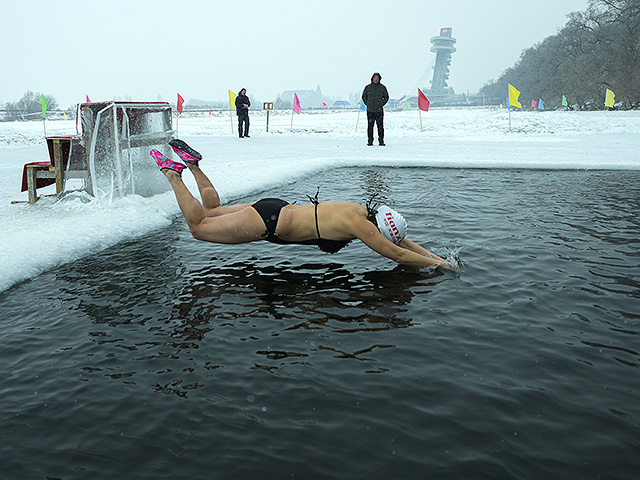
269,210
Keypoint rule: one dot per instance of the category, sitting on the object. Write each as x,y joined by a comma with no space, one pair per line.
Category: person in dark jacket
242,110
375,97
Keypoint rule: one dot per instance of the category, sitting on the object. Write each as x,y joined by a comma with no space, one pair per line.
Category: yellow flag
65,115
232,100
609,99
514,93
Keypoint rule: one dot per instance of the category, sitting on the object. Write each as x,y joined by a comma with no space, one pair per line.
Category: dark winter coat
240,101
375,96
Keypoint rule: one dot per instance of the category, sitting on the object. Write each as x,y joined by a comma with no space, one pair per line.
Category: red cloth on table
40,182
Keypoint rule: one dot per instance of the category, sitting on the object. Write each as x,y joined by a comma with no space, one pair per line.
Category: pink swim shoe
185,152
163,162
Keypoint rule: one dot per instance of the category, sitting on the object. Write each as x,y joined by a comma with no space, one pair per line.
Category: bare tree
29,103
598,48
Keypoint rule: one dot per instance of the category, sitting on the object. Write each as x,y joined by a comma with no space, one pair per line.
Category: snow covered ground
35,238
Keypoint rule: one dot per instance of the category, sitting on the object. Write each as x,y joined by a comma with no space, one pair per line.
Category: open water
169,358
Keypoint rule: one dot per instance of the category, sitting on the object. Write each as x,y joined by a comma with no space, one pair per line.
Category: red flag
423,102
296,104
180,102
88,101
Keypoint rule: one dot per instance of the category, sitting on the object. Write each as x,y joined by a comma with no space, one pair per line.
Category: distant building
308,98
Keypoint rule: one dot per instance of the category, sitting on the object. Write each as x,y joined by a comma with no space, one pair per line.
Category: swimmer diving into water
330,225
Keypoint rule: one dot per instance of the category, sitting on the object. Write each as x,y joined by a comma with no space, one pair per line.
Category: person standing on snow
375,97
242,110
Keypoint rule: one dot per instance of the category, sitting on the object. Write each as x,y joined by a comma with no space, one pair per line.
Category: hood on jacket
378,75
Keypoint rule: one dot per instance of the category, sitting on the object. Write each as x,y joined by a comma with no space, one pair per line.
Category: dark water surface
171,358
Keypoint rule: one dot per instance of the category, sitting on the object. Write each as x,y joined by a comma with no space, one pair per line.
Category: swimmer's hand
450,262
455,264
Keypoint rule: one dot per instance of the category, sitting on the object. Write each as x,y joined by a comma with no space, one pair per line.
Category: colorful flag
296,104
609,99
540,104
362,105
232,100
423,101
564,101
533,104
514,93
88,101
180,102
43,103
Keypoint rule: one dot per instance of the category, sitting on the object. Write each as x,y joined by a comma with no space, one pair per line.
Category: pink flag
88,101
180,102
209,110
296,105
533,104
423,101
22,116
324,104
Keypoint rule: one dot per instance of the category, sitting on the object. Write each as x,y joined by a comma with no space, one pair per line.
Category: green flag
408,106
564,101
43,102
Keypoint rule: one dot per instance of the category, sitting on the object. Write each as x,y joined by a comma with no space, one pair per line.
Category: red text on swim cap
394,232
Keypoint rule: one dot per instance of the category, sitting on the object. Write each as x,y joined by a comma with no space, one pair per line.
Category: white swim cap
391,224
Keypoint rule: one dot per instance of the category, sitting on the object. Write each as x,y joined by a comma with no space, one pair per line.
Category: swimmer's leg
189,205
208,193
223,229
234,224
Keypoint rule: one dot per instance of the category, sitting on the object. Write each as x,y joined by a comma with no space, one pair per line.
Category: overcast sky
149,50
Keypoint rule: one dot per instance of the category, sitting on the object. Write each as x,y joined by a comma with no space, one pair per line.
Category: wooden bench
67,160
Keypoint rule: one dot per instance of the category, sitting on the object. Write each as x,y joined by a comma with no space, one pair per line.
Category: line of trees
598,48
28,104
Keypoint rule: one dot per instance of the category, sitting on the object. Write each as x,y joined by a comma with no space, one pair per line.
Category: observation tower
443,47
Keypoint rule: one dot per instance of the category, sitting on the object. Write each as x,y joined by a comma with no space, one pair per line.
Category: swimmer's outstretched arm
407,253
414,247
